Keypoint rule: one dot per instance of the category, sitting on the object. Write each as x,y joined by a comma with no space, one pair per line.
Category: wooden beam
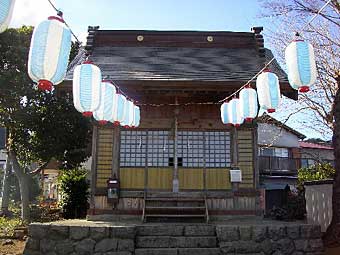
94,166
115,151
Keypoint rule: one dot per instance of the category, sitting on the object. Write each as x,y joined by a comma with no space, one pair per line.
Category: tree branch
38,169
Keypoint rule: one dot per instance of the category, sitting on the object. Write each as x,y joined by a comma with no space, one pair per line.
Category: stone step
176,230
175,215
175,199
175,207
176,242
179,251
199,251
159,251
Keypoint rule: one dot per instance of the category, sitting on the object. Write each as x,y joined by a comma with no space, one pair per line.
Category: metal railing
271,165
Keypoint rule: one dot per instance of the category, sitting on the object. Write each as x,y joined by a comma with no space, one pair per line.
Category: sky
209,15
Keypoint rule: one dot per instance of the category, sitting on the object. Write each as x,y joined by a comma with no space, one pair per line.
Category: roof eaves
265,118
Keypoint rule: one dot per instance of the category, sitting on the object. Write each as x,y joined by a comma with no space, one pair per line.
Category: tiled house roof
309,145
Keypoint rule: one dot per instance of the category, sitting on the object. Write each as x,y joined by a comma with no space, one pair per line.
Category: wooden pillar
256,161
234,162
234,147
175,181
204,163
115,151
146,172
93,168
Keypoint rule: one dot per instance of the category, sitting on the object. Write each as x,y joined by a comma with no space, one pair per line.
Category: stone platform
116,238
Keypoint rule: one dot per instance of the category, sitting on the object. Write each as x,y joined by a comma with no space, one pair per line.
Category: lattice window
132,148
159,149
191,148
217,152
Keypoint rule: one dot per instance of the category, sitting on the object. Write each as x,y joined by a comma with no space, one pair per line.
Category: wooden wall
160,178
104,156
245,143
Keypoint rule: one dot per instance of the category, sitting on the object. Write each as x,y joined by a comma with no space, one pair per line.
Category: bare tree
322,105
287,17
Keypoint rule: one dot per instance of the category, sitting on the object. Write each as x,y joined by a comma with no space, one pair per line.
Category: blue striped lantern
104,112
268,91
49,53
119,109
248,103
129,114
301,65
136,116
87,80
6,11
234,112
224,114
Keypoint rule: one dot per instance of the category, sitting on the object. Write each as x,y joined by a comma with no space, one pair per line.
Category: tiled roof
179,56
170,63
308,145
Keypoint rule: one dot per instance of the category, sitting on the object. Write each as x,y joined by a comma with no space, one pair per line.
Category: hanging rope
204,103
270,61
60,13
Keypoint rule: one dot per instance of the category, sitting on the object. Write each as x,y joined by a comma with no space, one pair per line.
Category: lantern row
48,60
99,98
302,74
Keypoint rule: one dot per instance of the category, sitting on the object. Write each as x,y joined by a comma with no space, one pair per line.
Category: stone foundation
173,239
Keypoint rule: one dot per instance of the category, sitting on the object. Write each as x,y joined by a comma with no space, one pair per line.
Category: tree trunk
25,197
5,187
23,179
332,236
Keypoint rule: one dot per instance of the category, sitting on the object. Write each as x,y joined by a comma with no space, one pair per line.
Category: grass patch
8,225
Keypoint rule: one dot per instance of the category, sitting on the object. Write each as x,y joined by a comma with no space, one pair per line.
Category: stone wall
276,240
53,239
174,239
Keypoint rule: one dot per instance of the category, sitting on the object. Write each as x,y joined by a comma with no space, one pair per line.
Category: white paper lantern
136,116
104,113
234,112
248,103
49,53
301,65
268,91
119,109
129,114
6,11
224,114
87,80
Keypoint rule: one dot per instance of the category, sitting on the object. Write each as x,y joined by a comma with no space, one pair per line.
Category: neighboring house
312,152
279,159
49,178
178,152
281,153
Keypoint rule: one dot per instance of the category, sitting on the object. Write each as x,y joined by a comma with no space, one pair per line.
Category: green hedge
74,189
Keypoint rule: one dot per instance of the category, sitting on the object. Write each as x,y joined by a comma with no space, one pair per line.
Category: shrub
74,193
45,212
319,171
7,226
294,209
